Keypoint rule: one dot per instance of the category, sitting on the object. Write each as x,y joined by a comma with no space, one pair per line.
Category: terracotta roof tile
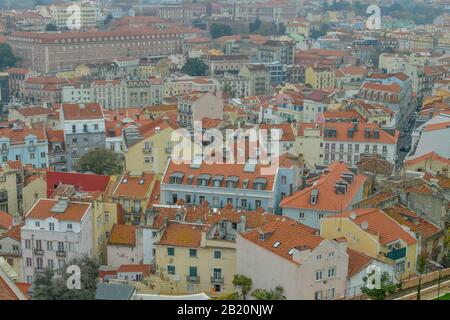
357,261
75,211
123,234
6,220
76,111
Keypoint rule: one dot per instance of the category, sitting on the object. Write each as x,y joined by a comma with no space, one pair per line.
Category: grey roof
114,291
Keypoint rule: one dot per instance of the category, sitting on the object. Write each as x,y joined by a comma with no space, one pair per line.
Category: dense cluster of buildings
351,167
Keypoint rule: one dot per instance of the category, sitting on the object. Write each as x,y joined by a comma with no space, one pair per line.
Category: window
28,262
37,224
257,204
39,264
154,234
318,275
332,272
318,257
27,244
29,279
283,179
171,269
51,226
217,254
301,215
60,246
331,254
193,253
49,246
69,226
320,216
50,264
318,295
171,252
38,244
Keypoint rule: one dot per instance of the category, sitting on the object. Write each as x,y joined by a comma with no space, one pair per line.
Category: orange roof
76,111
209,123
328,199
356,70
342,129
123,234
286,129
55,135
410,219
18,135
6,292
75,211
34,111
182,235
437,126
134,186
22,71
357,261
14,232
289,233
392,87
6,220
225,170
378,223
442,181
135,268
427,156
343,114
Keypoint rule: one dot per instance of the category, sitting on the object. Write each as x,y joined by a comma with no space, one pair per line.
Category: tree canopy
51,27
100,161
386,287
47,286
244,284
219,30
273,294
7,57
195,67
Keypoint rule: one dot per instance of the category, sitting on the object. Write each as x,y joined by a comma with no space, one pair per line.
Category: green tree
108,19
386,287
255,25
273,294
100,161
7,57
51,27
219,30
243,284
421,266
48,286
195,67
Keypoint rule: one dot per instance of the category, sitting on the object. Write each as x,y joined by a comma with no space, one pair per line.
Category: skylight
276,244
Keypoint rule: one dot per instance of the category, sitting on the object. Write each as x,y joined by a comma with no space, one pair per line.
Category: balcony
5,151
217,279
396,254
61,254
39,252
147,150
10,252
193,278
38,269
31,148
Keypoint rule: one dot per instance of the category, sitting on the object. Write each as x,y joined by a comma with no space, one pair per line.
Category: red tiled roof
182,235
75,211
18,135
357,261
34,111
342,129
288,232
6,220
392,87
135,268
81,181
378,223
123,234
76,111
134,187
328,199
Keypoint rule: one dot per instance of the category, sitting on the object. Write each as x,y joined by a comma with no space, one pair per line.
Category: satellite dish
364,225
353,216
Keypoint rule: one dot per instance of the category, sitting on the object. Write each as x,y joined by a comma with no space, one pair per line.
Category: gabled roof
77,111
288,233
357,261
182,234
123,234
342,129
134,186
6,220
75,211
379,223
327,199
34,111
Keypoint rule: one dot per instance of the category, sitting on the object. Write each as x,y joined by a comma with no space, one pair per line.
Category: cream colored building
74,15
11,183
309,143
320,77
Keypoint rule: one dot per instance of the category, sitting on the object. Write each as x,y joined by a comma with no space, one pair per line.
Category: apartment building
84,129
308,266
74,15
320,77
327,192
54,52
259,78
44,89
11,185
110,94
198,105
346,142
11,250
54,232
277,51
28,145
226,63
377,235
124,246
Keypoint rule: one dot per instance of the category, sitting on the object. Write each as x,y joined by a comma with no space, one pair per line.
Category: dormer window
203,179
260,183
314,196
217,180
176,178
232,181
